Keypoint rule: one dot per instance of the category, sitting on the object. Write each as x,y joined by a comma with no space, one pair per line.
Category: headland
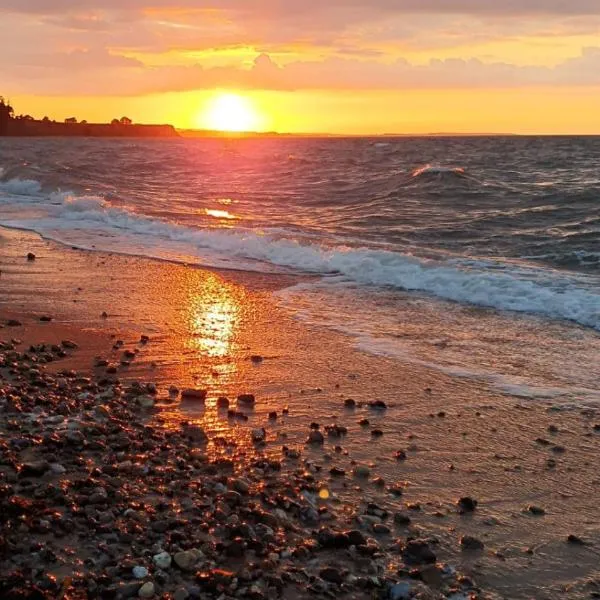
27,126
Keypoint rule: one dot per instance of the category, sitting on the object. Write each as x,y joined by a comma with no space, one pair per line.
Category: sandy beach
342,478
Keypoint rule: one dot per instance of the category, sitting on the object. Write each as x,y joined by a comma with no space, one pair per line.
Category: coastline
204,327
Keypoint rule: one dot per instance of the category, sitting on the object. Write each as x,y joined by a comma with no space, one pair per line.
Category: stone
350,403
573,539
315,437
222,402
535,510
240,485
69,345
466,504
181,594
139,572
332,575
402,519
468,542
30,256
362,471
13,323
194,394
147,590
400,455
256,358
195,433
400,591
187,560
247,400
377,405
162,560
417,552
34,469
376,433
145,401
259,435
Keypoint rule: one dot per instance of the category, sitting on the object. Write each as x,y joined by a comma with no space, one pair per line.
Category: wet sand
207,330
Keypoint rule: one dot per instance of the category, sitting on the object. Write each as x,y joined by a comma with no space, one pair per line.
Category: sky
338,66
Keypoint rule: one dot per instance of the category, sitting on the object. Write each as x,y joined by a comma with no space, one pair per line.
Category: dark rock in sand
256,358
194,394
222,402
45,319
377,405
468,542
376,433
350,403
13,323
328,538
536,510
364,422
575,540
30,256
337,472
466,504
273,416
332,575
246,400
315,437
34,469
402,519
417,552
400,455
69,345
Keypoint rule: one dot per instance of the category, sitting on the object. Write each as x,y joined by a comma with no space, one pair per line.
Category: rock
13,323
222,402
273,416
162,560
30,256
400,455
402,519
187,560
332,575
194,394
144,339
400,591
356,538
364,422
573,539
247,400
181,594
147,590
256,358
259,435
535,510
377,405
145,401
34,469
57,468
337,472
315,437
139,572
362,471
417,552
466,504
69,345
240,485
468,542
195,433
350,403
45,319
333,539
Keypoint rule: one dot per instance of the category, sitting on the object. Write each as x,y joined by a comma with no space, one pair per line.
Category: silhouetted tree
125,121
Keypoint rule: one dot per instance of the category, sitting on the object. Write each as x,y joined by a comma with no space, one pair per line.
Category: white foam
20,187
71,218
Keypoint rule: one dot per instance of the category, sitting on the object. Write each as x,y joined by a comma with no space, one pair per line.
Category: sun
230,112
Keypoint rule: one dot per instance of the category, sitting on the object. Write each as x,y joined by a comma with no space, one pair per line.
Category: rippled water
412,236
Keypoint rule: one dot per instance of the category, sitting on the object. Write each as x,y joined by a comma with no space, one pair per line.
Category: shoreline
459,439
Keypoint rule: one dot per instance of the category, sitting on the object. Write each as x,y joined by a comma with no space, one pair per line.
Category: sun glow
230,112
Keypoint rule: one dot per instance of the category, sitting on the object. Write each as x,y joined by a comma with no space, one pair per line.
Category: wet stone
315,437
418,552
194,394
466,504
468,542
147,590
332,575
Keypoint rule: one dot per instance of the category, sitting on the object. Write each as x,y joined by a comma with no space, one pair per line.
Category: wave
71,219
438,171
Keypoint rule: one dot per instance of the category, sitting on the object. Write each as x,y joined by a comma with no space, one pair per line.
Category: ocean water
476,256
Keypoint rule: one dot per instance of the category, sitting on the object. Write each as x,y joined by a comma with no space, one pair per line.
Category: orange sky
531,66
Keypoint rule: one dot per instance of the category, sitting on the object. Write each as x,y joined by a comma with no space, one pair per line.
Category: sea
475,256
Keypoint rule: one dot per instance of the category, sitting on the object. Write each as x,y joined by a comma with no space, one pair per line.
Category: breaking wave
77,219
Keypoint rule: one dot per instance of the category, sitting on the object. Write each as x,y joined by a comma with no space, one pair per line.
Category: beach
343,475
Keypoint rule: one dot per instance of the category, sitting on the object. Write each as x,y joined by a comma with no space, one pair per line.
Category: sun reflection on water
214,318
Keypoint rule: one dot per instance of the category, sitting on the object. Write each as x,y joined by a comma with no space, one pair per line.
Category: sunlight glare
231,112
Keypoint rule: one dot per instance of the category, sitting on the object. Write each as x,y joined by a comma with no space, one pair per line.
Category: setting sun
230,112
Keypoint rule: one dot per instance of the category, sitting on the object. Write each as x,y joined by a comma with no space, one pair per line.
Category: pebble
162,560
186,560
247,400
466,504
145,401
362,471
535,510
315,437
139,572
259,435
400,591
147,590
194,394
468,542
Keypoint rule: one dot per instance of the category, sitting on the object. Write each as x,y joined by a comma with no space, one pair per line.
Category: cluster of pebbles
97,500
